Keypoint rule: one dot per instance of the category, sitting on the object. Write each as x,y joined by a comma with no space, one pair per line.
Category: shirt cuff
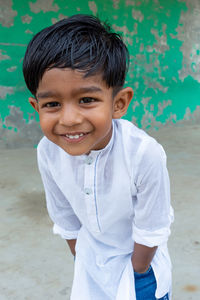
153,238
150,238
67,235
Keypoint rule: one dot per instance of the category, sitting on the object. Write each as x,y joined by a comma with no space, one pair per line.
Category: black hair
79,42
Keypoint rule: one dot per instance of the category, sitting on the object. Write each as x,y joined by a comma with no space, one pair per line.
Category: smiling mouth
76,137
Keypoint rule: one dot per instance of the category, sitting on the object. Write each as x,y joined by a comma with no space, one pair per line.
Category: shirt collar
95,153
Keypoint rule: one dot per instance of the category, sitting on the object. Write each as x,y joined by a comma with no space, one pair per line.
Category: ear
34,103
121,102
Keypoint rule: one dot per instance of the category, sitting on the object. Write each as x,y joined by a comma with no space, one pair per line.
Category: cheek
103,124
103,115
46,122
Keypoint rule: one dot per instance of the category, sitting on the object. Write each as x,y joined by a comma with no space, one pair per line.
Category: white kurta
107,200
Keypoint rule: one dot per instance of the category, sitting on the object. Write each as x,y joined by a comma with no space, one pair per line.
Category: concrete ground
35,264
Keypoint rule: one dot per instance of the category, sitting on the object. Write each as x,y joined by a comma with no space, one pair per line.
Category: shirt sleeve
66,223
153,212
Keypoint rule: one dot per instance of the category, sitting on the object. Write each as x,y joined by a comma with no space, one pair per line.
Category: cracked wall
163,38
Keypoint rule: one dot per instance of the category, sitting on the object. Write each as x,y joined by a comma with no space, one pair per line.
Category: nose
70,115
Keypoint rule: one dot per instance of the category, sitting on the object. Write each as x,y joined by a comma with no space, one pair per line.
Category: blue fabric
145,286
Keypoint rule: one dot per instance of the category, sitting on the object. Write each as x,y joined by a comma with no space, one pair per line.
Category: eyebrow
82,90
47,94
90,89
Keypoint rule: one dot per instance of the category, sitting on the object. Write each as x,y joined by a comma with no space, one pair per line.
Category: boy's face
75,112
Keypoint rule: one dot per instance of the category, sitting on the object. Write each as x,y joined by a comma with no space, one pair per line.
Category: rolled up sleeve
67,235
66,223
153,212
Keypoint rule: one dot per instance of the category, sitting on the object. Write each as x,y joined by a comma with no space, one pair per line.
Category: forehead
68,80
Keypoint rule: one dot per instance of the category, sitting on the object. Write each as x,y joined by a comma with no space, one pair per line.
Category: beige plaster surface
35,264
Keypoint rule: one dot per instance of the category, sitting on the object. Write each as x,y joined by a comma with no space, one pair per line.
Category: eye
87,100
51,104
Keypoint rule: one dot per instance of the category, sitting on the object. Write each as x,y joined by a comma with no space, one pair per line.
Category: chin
74,152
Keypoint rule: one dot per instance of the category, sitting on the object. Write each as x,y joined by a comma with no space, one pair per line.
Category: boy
105,180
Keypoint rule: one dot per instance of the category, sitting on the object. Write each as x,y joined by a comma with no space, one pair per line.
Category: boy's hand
72,244
142,257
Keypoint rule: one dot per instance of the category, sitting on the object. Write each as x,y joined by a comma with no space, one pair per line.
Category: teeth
76,136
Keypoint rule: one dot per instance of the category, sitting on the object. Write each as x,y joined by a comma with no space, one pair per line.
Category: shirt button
89,160
88,191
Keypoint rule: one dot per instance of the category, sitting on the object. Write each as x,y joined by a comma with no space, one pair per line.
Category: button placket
89,160
89,192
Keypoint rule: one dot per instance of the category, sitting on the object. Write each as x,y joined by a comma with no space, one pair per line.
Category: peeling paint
12,69
162,106
93,7
189,34
26,19
13,44
192,117
127,35
6,90
155,85
137,15
3,56
28,31
145,101
141,47
7,14
135,104
21,133
43,5
161,46
116,4
148,120
60,17
134,3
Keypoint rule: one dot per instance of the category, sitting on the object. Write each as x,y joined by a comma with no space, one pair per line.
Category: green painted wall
164,42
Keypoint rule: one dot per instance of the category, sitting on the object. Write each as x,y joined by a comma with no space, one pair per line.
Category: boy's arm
152,211
142,257
66,223
72,244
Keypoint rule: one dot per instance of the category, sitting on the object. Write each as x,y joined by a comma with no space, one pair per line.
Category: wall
163,38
